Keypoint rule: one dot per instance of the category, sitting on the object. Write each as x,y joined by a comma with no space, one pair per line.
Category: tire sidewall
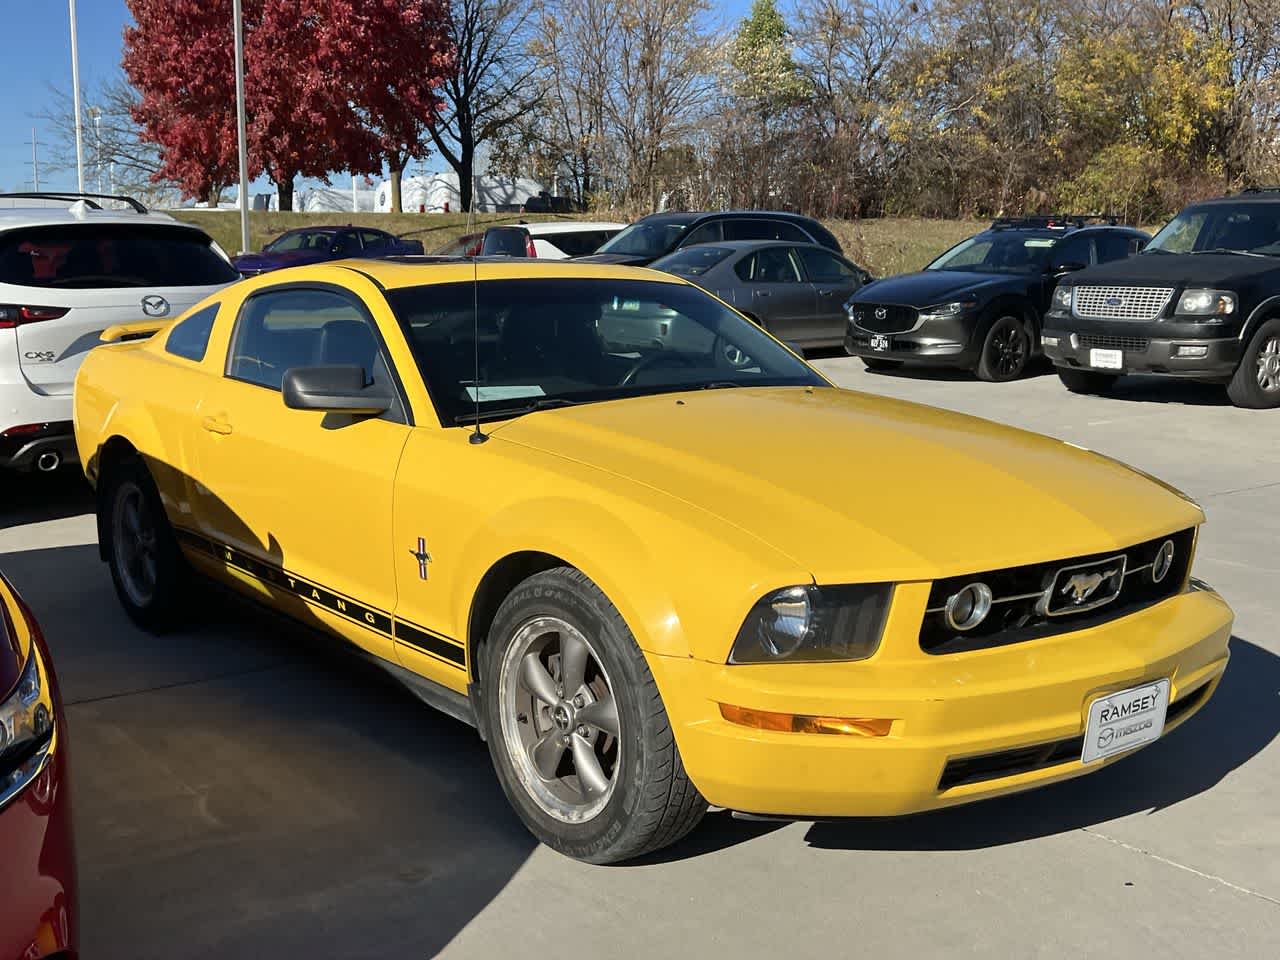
553,594
1243,388
984,369
160,613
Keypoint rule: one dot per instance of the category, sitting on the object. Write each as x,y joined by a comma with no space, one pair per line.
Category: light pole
97,142
241,136
75,89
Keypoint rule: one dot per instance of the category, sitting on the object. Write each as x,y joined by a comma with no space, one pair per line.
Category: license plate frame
1125,720
1106,359
881,343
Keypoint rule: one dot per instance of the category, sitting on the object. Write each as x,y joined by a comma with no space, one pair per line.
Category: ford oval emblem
1113,301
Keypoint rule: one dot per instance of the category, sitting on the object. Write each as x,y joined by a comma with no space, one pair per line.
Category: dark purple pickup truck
315,244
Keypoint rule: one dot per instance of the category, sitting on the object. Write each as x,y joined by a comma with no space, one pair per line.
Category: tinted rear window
691,261
87,256
578,243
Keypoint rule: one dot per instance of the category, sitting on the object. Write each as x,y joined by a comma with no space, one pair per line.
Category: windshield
107,255
691,261
301,240
557,341
1235,228
646,238
997,253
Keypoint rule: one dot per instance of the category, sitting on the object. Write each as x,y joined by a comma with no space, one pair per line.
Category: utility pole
97,141
75,89
35,162
241,135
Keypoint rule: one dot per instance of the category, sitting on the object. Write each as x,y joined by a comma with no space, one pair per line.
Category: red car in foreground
37,862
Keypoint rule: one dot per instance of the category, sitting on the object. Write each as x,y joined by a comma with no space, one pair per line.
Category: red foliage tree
321,93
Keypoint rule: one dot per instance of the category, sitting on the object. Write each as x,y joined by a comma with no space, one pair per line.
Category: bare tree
492,86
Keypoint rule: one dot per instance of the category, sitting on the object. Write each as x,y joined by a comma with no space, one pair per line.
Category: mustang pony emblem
422,557
1082,586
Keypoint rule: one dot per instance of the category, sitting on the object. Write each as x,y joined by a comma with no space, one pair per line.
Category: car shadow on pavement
245,786
1038,367
1168,390
1237,724
35,497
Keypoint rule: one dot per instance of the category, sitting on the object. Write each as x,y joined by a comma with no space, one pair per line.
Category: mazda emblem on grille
881,313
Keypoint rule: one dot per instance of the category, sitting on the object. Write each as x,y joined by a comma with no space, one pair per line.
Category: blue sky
38,51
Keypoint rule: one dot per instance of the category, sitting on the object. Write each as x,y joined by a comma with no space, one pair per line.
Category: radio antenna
476,435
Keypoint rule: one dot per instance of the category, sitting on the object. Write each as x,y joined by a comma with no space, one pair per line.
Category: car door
834,281
779,295
295,504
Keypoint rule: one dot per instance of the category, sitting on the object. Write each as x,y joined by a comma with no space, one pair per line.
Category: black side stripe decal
371,618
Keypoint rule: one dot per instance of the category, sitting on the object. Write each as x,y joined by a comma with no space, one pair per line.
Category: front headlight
1062,298
808,623
941,311
1214,305
26,724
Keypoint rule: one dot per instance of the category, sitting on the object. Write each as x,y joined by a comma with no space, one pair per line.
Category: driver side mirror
338,388
1064,268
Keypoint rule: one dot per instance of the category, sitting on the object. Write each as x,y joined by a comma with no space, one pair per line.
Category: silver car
796,291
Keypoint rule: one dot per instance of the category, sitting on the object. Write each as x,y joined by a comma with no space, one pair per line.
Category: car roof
686,216
397,272
739,245
12,217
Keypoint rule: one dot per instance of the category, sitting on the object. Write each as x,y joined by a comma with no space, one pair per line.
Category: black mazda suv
979,305
1201,302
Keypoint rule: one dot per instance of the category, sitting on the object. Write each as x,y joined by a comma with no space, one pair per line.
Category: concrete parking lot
246,789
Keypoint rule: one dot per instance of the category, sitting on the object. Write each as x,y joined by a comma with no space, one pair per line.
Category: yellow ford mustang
656,559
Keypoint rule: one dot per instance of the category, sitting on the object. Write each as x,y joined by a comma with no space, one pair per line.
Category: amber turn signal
799,723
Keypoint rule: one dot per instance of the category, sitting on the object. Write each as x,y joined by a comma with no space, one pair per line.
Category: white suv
71,265
551,240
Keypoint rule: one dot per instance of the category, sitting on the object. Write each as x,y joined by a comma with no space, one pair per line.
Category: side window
712,232
776,265
745,268
764,230
282,329
823,267
346,244
1116,246
1069,250
189,338
372,238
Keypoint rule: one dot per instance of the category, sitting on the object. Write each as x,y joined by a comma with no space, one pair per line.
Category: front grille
1120,303
1016,611
1128,344
1010,763
896,319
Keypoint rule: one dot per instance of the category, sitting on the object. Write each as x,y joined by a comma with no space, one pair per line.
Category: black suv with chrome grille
1202,302
978,306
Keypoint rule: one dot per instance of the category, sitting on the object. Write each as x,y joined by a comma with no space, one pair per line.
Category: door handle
764,293
216,425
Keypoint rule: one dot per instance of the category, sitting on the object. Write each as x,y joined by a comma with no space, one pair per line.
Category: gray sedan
796,291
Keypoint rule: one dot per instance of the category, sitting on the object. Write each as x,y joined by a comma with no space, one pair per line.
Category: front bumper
953,707
946,342
1171,348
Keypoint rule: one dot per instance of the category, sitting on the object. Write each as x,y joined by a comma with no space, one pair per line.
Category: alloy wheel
1269,365
134,541
1008,349
560,721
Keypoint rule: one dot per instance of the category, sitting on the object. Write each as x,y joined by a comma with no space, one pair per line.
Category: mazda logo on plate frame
155,305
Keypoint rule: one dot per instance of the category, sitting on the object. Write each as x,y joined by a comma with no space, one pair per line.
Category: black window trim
321,287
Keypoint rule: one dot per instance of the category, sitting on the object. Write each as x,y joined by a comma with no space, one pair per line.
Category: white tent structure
358,199
433,192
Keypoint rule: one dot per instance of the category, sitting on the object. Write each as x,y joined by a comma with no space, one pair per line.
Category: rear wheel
1256,383
877,365
1005,351
147,567
1086,381
576,728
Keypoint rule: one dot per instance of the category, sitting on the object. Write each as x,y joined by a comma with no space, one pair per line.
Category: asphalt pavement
245,788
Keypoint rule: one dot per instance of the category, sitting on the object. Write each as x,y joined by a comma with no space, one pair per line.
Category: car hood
855,487
929,287
621,259
276,261
1228,270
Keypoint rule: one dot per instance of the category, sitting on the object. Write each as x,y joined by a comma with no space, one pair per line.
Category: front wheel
577,731
1256,383
1005,351
1086,381
147,567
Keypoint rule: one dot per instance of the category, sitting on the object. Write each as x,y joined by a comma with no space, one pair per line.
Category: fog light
1188,350
1163,562
968,607
801,723
1049,341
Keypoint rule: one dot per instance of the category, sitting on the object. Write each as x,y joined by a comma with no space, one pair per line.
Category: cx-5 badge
422,557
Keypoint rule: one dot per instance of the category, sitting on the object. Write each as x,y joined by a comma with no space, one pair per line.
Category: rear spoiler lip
137,330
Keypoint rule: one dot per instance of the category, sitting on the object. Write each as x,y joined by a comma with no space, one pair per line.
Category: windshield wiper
542,403
1241,253
719,384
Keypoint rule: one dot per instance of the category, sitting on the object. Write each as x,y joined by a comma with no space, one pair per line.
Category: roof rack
1051,220
72,196
1261,189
